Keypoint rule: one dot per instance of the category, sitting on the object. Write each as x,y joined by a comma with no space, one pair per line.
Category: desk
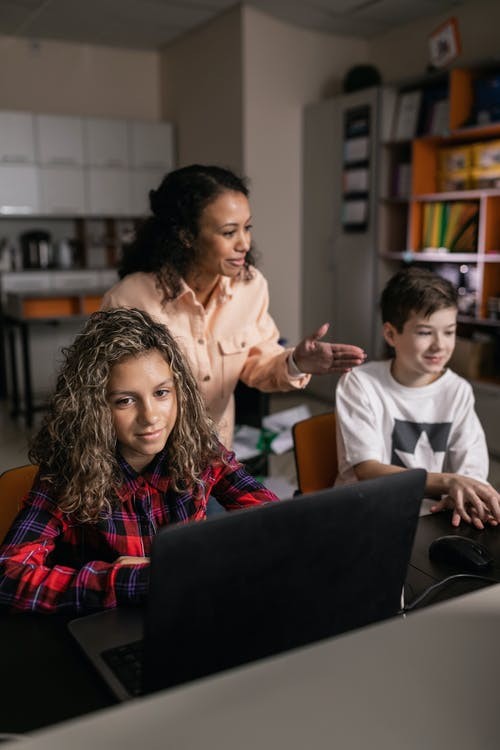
23,310
429,681
47,680
45,677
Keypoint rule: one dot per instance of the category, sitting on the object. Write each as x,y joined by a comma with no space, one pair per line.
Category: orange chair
315,449
14,486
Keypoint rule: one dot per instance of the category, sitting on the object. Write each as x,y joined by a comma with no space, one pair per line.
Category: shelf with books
452,221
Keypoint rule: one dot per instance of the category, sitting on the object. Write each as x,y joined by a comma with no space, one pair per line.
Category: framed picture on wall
444,44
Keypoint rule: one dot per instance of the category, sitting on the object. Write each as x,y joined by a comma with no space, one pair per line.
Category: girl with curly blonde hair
126,447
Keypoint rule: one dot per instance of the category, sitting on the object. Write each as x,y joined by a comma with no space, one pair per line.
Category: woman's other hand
322,358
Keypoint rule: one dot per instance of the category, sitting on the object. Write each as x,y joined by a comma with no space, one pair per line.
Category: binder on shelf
465,238
453,220
439,122
436,225
445,212
407,115
426,225
401,180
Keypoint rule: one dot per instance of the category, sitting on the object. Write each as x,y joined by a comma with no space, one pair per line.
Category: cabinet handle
62,161
13,210
15,159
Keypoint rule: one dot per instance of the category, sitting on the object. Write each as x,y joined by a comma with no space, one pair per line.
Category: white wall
284,68
235,89
78,79
202,94
403,52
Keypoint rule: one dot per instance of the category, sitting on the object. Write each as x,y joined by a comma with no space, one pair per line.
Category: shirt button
201,341
207,377
243,344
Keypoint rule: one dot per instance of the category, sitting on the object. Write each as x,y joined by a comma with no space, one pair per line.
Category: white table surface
427,682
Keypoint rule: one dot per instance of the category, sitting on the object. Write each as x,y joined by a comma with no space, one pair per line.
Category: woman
191,267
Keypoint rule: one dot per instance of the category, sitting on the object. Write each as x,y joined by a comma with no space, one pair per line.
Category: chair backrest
14,486
315,449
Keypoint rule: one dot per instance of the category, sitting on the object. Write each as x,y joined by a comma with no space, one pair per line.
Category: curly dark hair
76,444
418,290
163,243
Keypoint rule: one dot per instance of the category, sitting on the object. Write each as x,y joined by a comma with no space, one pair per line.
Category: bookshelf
452,163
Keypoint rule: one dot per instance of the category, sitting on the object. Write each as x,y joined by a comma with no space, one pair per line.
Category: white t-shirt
434,427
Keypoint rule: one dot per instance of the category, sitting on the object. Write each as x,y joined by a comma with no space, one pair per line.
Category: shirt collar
153,475
223,290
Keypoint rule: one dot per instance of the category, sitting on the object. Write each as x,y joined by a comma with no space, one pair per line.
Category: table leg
13,372
28,391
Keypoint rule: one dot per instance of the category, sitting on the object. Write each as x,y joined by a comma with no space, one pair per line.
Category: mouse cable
439,584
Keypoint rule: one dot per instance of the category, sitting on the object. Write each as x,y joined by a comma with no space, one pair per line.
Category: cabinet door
106,142
152,145
17,144
59,140
108,191
18,189
62,190
75,280
142,181
354,253
25,281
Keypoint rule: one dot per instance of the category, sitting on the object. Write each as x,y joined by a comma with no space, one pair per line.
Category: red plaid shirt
49,562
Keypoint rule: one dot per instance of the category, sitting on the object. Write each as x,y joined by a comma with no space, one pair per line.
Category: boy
411,411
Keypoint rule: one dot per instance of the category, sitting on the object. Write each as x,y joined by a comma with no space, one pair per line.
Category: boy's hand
471,501
131,560
321,358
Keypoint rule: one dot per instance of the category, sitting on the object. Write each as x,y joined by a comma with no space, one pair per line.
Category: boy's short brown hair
415,290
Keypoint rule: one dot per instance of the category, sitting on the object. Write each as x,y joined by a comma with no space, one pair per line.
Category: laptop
258,582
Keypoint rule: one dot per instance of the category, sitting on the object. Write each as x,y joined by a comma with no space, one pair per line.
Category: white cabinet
142,181
152,145
59,140
62,191
108,191
58,165
17,142
18,189
106,142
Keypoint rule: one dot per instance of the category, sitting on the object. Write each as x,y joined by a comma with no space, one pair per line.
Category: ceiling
150,24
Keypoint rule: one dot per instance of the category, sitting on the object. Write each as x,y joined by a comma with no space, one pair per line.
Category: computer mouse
460,552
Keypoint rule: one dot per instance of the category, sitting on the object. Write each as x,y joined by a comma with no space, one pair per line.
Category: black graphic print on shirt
421,444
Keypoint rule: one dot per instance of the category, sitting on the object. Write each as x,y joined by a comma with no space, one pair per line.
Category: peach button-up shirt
233,338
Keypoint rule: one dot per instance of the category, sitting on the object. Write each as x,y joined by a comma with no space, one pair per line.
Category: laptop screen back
247,585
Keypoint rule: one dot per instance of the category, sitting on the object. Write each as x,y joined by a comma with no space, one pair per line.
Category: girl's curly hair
76,444
164,244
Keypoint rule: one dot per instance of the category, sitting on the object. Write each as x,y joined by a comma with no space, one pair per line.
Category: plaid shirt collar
135,483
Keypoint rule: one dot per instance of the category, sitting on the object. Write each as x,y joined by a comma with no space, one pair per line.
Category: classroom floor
14,437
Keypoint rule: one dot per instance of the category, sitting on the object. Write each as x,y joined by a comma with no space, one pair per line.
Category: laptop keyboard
126,664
